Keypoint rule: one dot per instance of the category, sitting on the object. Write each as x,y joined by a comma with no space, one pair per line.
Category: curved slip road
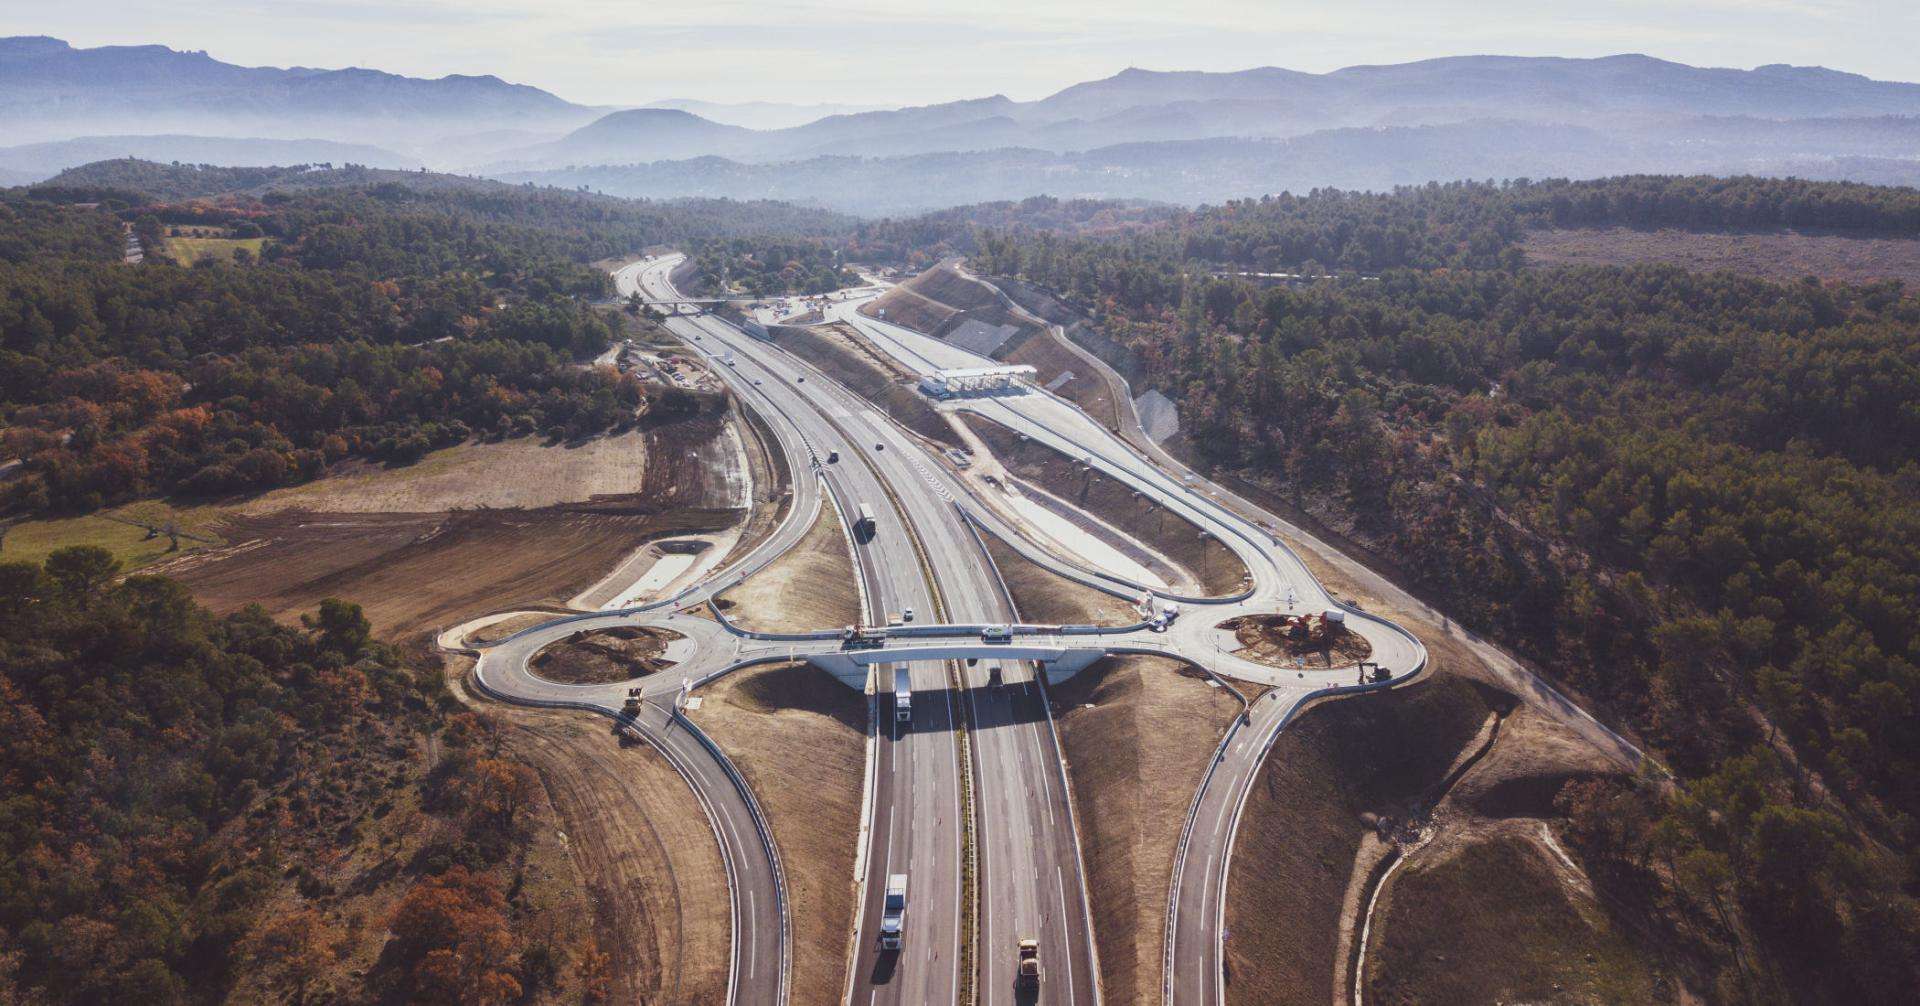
1030,879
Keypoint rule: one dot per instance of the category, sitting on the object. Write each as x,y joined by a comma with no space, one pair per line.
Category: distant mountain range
44,160
1214,170
1174,136
50,90
1136,106
760,114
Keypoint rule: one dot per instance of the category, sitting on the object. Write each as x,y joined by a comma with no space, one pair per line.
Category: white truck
893,917
902,696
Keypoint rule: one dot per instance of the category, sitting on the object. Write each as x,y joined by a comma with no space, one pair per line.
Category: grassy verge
187,251
118,531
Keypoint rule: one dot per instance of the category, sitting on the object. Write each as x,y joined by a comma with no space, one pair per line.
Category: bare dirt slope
1137,733
1047,598
644,851
1306,817
1088,387
1212,564
1500,918
810,587
513,473
844,356
761,718
414,573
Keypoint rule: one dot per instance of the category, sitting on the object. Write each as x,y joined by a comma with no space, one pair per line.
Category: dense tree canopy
1694,497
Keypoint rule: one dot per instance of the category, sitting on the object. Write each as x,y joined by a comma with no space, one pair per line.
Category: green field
187,251
33,540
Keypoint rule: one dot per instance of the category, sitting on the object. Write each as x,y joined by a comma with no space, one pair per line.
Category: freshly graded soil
644,851
416,573
810,587
799,736
1046,598
1264,638
1211,564
1137,733
598,658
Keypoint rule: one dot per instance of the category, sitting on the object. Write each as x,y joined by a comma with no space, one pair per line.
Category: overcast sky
904,51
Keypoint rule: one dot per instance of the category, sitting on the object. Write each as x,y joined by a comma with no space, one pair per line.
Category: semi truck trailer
893,918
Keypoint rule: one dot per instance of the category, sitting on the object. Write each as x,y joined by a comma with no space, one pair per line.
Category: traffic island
606,656
1320,640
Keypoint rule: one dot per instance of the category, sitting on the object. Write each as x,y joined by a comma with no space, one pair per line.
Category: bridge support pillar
843,668
1069,664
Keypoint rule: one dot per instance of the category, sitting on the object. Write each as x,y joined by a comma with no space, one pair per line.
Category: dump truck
902,696
893,918
1028,972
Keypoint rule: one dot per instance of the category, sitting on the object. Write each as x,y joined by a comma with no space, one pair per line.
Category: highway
924,554
1194,951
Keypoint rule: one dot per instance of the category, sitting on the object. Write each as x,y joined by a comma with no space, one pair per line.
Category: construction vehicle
902,696
893,917
631,707
858,637
1028,972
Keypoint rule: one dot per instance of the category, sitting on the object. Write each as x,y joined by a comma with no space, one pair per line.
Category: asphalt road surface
1030,881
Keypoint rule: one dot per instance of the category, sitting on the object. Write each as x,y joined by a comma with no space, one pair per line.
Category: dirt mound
1280,640
907,308
1338,769
1137,733
801,688
598,658
1495,920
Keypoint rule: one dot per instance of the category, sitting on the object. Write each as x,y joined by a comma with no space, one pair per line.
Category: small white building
973,380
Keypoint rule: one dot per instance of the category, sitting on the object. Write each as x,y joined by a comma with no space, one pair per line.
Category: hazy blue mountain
34,161
644,134
760,114
51,90
1628,92
1220,168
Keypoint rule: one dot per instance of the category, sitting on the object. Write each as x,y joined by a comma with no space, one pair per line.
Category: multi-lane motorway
923,554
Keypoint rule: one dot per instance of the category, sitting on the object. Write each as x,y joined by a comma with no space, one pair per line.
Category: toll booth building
973,380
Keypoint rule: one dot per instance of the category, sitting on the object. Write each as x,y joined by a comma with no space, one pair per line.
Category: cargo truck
902,696
893,918
1028,974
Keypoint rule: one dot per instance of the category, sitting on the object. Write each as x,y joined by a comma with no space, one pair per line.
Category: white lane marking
753,955
1200,979
1066,935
